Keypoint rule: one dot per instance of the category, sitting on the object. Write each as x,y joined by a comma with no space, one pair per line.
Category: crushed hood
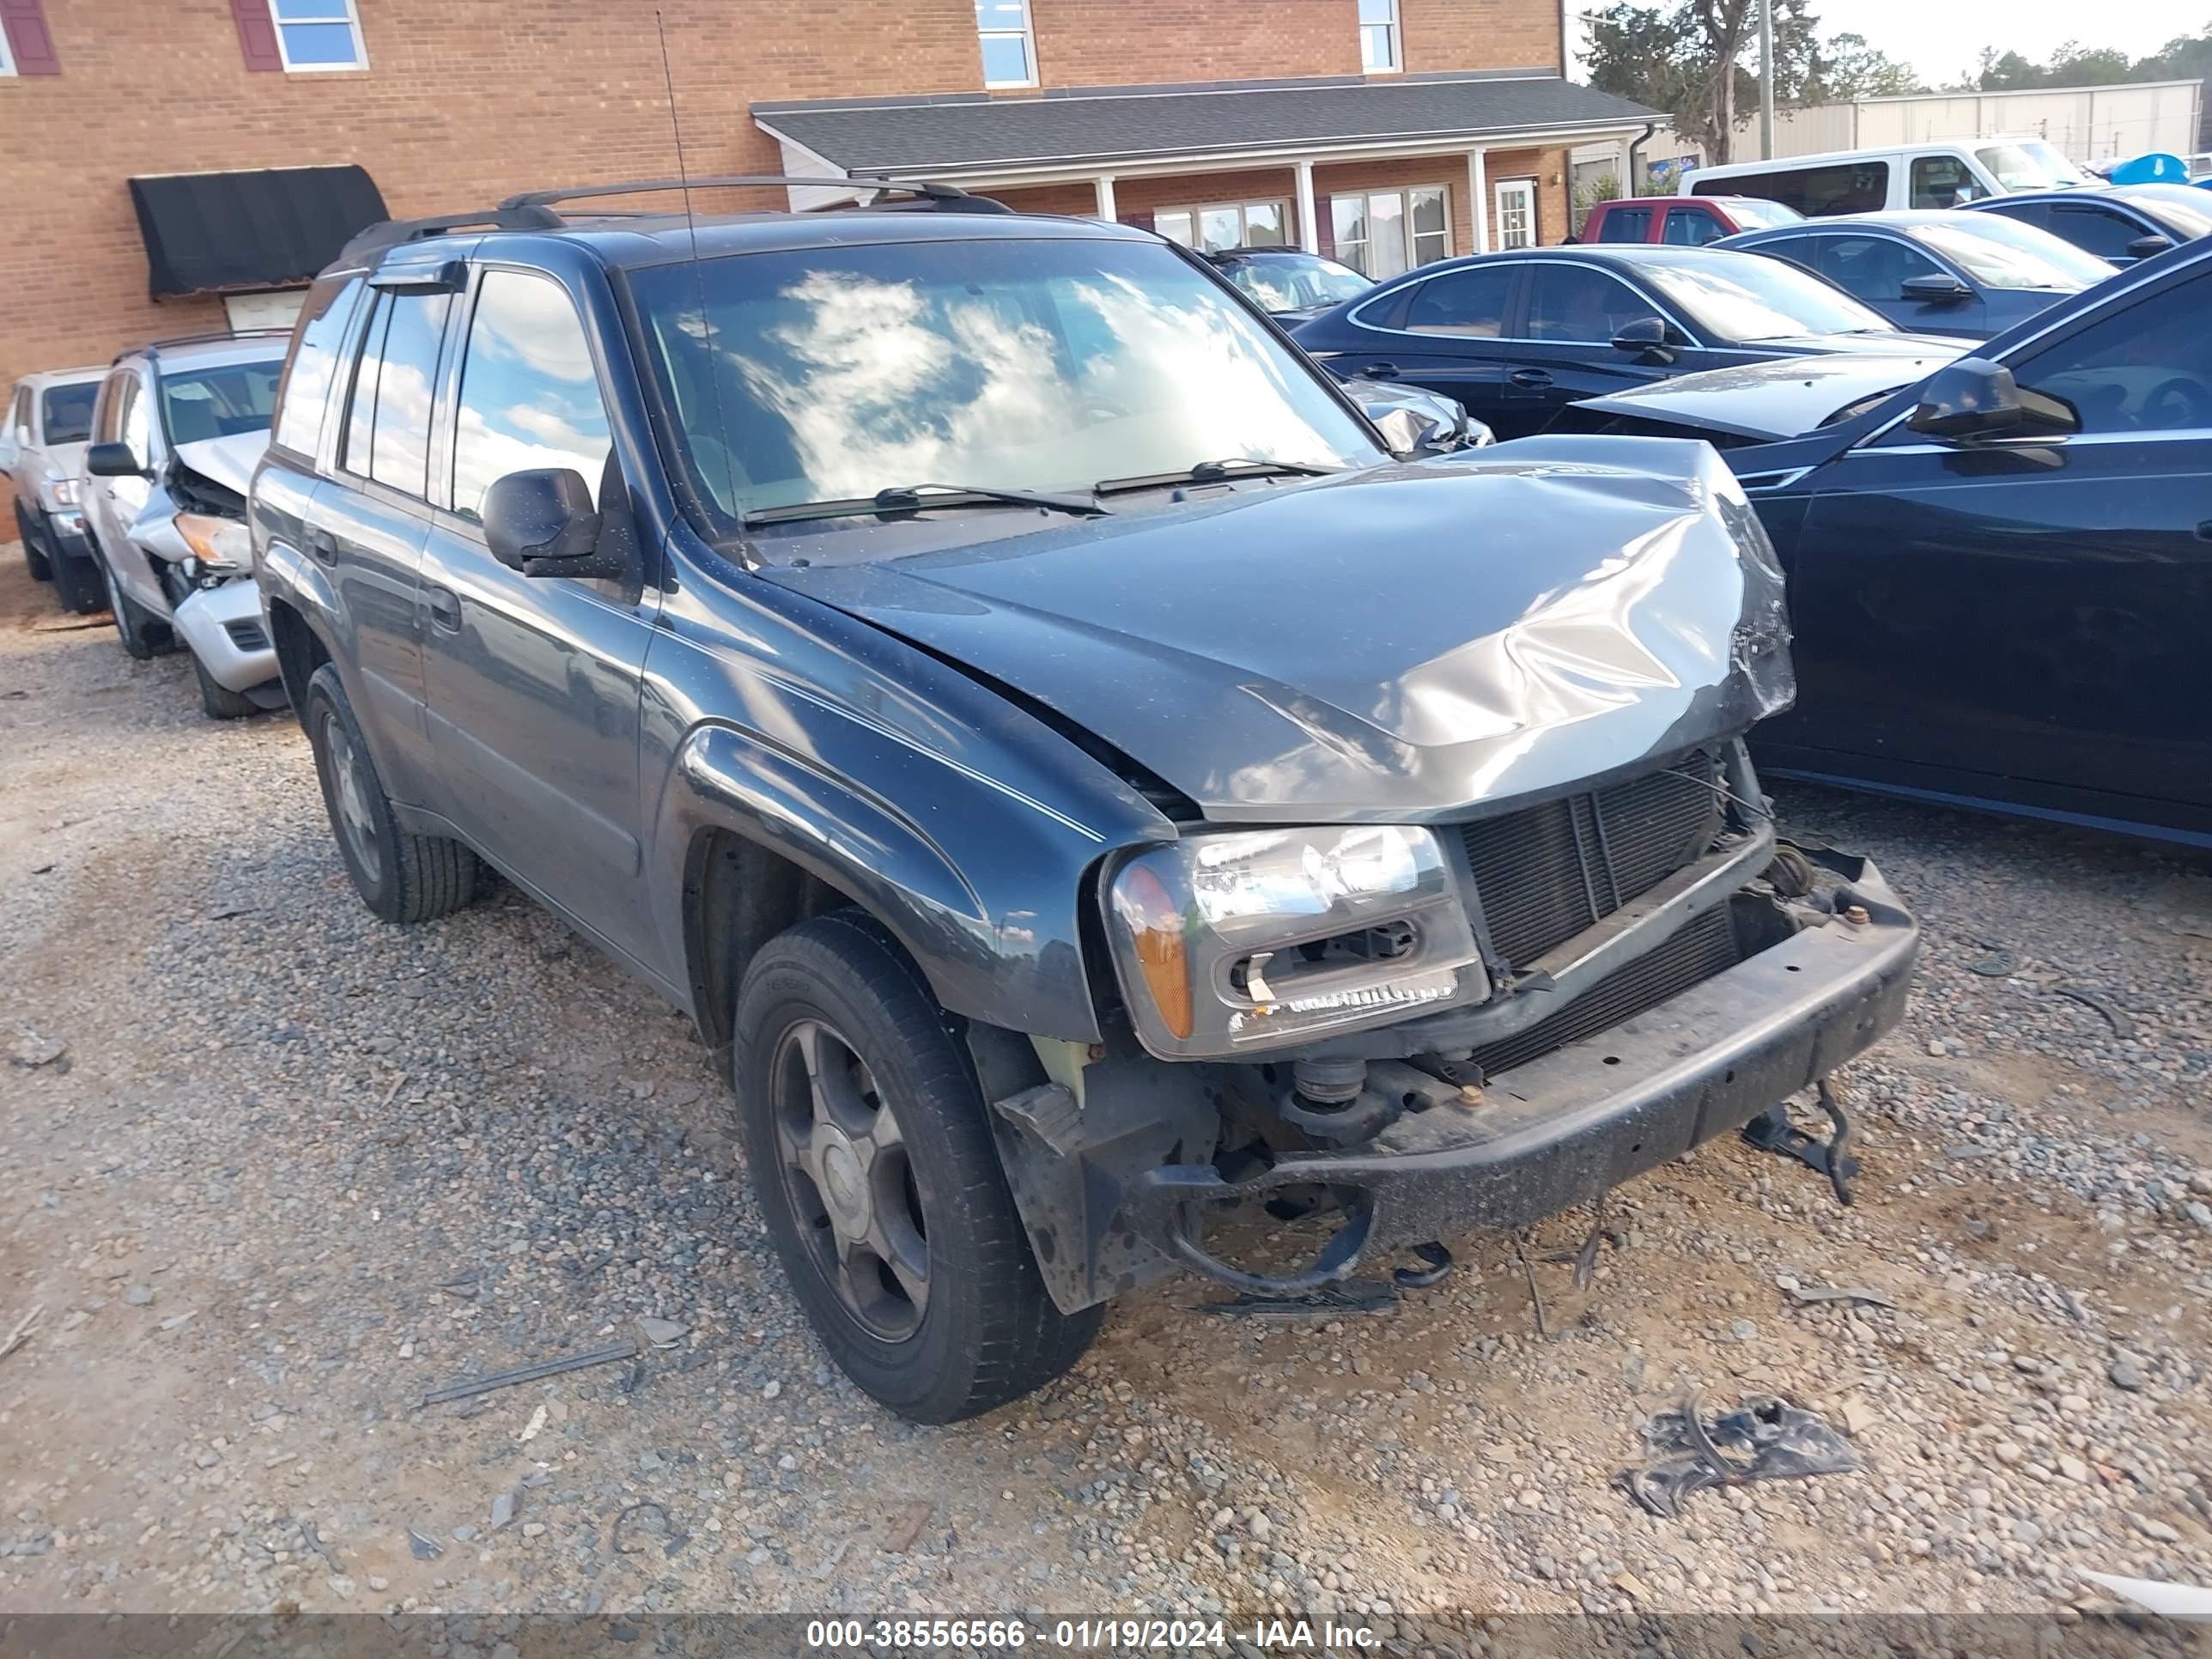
1399,643
229,461
1785,397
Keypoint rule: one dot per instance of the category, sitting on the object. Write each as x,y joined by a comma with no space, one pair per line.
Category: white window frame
1499,190
1405,193
1026,34
1393,33
1243,212
352,20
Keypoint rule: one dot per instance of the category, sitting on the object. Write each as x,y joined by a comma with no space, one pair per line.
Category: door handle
1379,371
1533,378
322,546
445,609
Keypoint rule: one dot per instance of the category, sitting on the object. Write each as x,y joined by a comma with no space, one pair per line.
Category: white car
42,451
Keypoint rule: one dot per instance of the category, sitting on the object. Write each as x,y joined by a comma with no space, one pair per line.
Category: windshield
2030,164
66,412
1285,282
2184,209
214,402
1734,298
834,373
2001,253
1756,213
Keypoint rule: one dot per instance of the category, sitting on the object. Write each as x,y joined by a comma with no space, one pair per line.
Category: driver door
2038,610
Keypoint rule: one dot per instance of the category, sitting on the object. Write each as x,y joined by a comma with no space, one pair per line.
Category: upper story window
1009,43
1378,37
319,34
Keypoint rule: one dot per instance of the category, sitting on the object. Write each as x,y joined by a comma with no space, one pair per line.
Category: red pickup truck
1683,221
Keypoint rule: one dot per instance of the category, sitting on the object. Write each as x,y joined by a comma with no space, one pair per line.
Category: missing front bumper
1565,1127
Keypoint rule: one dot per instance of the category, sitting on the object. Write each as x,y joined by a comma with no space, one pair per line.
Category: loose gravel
275,1170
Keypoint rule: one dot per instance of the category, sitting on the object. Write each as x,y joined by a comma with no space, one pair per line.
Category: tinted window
361,407
529,396
1462,302
1576,303
131,421
1625,225
400,450
2095,229
65,413
2148,368
2035,214
1941,181
312,365
1851,187
218,402
1692,228
1871,268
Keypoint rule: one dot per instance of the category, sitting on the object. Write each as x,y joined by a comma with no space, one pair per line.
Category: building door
1515,215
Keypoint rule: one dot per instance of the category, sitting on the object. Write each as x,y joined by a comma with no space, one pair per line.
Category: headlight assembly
61,492
221,545
1230,942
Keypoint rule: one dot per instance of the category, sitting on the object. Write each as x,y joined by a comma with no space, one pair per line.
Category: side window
1942,181
399,453
19,415
1464,302
1870,268
361,407
1692,228
2147,369
1625,225
2095,229
312,366
2026,212
529,395
110,416
131,425
1576,303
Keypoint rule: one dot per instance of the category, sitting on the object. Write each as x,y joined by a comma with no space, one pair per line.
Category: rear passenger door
534,682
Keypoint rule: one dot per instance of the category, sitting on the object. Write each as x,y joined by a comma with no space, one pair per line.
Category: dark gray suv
1005,692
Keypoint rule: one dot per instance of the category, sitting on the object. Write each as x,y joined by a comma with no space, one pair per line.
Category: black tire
144,637
77,585
218,701
987,1332
35,556
400,877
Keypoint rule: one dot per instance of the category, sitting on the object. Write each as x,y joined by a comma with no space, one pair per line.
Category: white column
1308,217
1106,197
1478,189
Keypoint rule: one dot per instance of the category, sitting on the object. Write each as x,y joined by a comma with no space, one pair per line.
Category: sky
1943,38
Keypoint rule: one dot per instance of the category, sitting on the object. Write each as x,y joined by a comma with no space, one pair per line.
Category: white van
1939,173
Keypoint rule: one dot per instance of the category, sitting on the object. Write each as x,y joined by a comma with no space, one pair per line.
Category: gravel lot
296,1167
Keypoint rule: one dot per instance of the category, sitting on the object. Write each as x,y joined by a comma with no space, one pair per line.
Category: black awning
209,231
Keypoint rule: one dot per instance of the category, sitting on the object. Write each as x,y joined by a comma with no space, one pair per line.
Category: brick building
1386,131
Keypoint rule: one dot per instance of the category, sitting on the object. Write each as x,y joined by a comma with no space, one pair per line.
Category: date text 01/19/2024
1085,1635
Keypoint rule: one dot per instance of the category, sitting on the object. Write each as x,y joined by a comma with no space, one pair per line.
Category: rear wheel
869,1149
400,877
35,556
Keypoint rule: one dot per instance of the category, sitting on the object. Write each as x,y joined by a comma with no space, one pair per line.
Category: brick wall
1119,43
1464,35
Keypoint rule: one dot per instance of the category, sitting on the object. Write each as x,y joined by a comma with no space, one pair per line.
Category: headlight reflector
62,492
1233,941
221,544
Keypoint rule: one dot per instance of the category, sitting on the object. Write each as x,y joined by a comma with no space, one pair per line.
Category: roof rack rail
391,233
948,197
212,337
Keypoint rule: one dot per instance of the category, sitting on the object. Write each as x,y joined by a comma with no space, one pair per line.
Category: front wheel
867,1138
144,636
218,701
36,559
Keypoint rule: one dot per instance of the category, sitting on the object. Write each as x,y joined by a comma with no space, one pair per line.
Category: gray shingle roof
972,130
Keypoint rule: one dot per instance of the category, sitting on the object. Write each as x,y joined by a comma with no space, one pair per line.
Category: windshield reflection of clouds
1764,305
985,370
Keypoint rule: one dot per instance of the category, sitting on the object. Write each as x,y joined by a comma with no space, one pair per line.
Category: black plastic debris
1325,1301
1764,1439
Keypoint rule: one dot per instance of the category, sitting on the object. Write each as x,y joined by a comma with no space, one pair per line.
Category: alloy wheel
350,786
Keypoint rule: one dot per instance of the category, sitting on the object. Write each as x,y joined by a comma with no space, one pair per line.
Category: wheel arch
300,650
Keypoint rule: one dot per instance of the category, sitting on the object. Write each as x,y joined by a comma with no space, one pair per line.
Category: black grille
246,635
1547,873
1703,948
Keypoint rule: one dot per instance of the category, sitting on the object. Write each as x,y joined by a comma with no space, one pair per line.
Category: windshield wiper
908,498
1236,466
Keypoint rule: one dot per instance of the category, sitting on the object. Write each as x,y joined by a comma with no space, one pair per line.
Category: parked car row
131,485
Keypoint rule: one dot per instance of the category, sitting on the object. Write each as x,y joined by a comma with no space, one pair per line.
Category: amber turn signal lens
1155,926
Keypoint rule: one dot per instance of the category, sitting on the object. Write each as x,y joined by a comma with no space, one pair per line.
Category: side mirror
1973,398
1935,288
2149,247
113,460
1647,338
542,520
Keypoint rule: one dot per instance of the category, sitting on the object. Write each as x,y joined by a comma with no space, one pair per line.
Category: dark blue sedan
1517,336
1967,275
2123,224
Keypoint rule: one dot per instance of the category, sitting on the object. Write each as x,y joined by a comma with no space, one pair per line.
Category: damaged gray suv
1015,701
